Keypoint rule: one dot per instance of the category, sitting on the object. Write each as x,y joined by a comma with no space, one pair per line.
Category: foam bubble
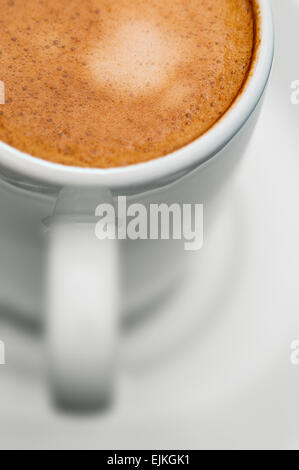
138,57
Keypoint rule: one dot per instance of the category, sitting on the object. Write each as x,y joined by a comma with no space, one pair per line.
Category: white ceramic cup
83,273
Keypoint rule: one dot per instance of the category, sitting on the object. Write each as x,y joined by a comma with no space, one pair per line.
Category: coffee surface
106,83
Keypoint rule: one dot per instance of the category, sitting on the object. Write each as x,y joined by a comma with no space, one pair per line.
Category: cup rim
175,163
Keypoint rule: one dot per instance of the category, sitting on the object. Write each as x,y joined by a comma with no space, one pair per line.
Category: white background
223,377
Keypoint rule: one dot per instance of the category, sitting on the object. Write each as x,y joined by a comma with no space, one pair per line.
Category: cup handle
82,303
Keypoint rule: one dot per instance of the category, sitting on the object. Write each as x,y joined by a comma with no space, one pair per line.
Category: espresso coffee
107,83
